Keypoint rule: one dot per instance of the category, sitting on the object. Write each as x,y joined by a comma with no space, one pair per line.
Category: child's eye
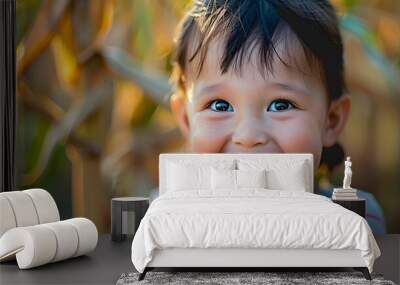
220,105
280,105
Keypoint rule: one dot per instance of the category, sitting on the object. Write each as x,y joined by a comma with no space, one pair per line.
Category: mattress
251,219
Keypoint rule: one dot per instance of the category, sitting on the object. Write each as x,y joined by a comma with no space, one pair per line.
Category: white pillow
290,179
229,179
281,175
185,175
223,179
181,177
251,178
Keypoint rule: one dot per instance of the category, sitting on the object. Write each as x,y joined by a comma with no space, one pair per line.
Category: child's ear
337,116
179,109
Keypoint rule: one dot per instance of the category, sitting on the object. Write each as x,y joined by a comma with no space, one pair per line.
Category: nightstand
357,206
126,214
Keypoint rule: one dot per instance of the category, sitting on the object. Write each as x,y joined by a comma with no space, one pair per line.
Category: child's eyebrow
280,85
209,88
290,87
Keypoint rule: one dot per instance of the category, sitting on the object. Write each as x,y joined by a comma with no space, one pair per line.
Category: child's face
285,112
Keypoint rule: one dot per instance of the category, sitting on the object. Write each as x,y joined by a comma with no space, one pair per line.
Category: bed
247,211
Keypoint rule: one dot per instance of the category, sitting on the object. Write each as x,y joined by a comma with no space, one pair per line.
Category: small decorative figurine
346,192
347,174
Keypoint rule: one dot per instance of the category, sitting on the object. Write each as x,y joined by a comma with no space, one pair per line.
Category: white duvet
251,218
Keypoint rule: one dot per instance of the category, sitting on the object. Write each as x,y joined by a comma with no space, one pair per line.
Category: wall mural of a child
263,77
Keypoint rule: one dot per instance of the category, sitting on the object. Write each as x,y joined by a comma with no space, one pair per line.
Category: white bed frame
250,257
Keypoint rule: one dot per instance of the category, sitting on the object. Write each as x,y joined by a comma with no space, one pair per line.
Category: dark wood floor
110,260
389,262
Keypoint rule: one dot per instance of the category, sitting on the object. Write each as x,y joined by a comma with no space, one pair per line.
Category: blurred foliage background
93,109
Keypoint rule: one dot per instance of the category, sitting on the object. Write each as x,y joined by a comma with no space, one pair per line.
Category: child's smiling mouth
269,148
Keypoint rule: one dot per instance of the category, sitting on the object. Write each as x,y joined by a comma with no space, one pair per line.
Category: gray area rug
226,278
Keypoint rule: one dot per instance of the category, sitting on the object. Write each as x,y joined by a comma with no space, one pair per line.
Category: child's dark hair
246,21
243,23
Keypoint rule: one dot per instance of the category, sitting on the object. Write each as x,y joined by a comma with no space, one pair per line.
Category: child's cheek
302,135
208,135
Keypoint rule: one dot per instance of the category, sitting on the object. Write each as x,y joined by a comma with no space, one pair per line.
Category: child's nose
250,133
